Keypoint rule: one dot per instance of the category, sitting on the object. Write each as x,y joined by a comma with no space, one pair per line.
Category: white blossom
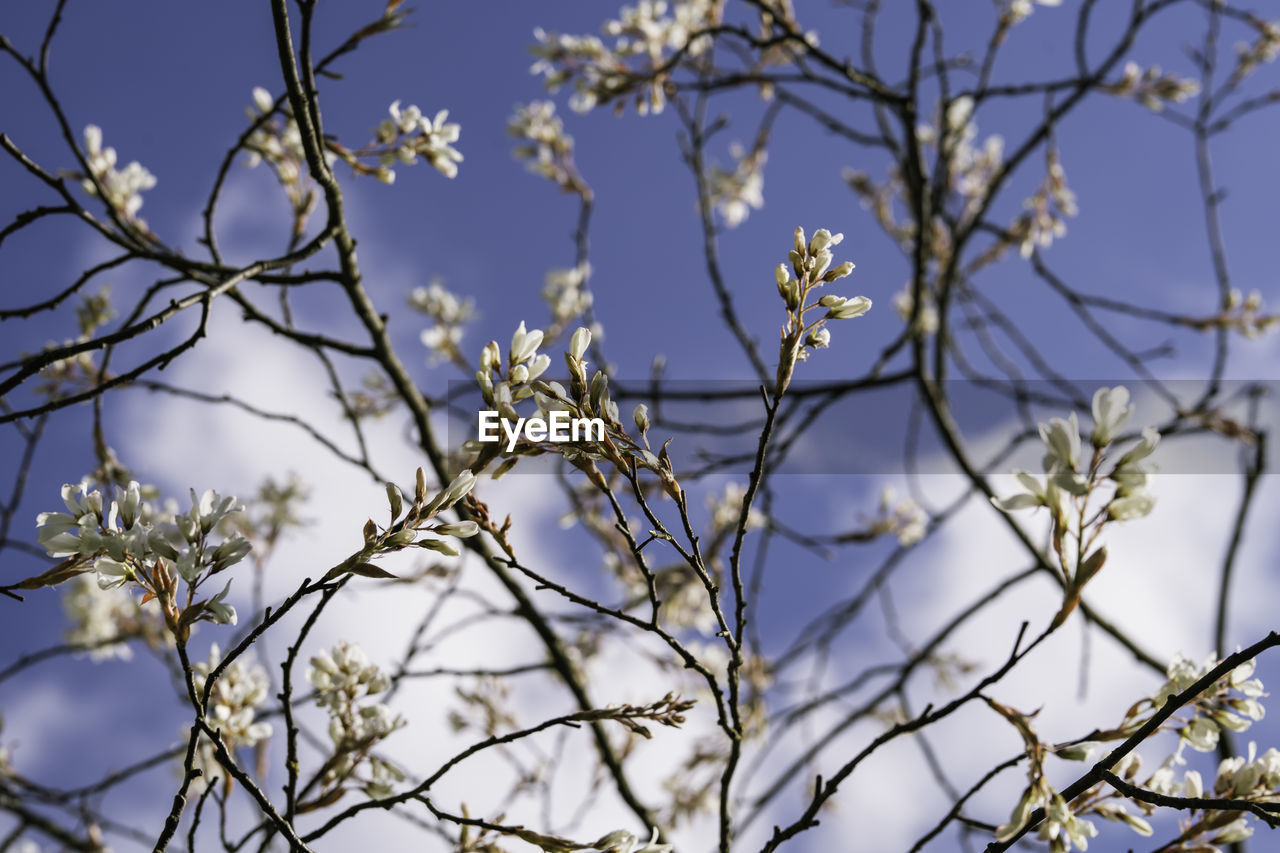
344,680
736,193
120,188
239,692
1152,88
1016,11
450,313
98,617
1110,410
408,135
565,292
726,509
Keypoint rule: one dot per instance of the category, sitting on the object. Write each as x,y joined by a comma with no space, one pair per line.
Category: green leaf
369,570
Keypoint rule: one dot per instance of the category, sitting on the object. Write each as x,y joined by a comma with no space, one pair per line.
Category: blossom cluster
120,188
544,146
130,542
810,261
1153,88
408,523
450,313
566,293
506,382
1242,313
277,143
646,39
403,137
736,193
239,691
1048,207
408,135
1233,703
970,165
1066,478
344,680
1063,825
1265,48
901,517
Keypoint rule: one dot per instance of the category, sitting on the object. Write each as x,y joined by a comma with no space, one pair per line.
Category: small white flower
262,100
1192,784
524,344
846,309
120,189
111,574
460,529
1062,439
1237,830
221,612
1110,410
565,292
1137,504
735,194
819,339
579,342
1201,734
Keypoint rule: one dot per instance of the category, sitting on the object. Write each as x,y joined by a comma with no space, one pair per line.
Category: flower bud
839,272
641,416
1194,785
818,339
850,308
1079,752
823,240
799,235
792,295
262,100
460,529
130,503
490,356
579,342
821,261
461,485
402,537
599,390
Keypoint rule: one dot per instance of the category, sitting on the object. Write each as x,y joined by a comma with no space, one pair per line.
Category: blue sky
168,83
